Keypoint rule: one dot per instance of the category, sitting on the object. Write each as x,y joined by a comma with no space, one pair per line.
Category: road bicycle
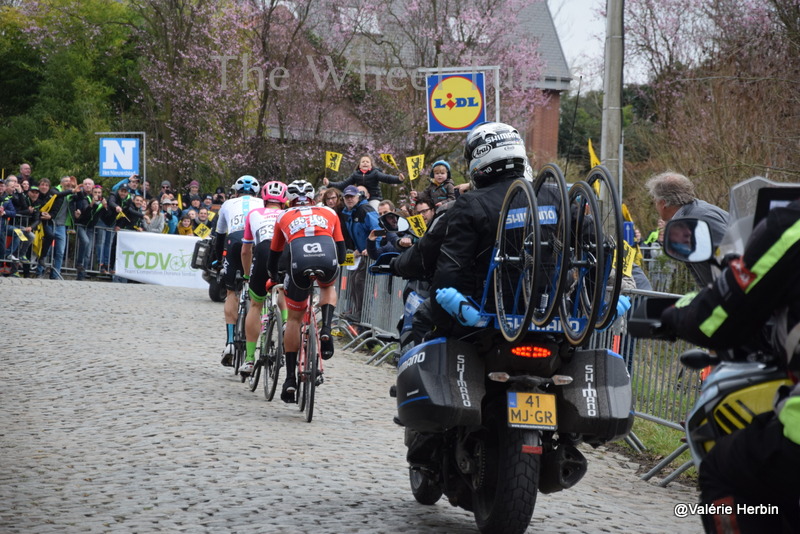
270,345
309,358
239,336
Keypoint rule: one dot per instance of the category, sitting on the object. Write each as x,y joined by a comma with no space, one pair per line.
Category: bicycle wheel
515,261
272,353
610,212
554,226
582,295
310,371
261,345
239,336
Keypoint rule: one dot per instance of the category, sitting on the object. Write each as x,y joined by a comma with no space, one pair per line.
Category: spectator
154,220
204,218
360,219
7,214
82,207
674,197
185,226
166,188
171,214
132,183
194,192
104,228
332,198
19,249
219,198
367,175
57,218
25,175
194,205
442,188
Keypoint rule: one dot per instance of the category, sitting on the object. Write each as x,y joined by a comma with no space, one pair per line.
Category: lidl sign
119,156
456,102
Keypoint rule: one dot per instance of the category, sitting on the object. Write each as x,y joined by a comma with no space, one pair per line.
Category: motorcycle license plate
532,410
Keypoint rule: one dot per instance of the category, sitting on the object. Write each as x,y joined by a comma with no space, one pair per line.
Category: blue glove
623,305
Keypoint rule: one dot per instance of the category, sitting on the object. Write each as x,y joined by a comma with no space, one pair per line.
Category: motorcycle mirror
698,359
383,264
393,222
688,240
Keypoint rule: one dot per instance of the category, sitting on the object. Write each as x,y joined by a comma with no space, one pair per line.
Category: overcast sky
581,31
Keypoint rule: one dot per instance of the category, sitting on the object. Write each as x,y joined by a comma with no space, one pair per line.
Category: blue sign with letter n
119,156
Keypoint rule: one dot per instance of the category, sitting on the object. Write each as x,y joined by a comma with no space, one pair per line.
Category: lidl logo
455,102
119,156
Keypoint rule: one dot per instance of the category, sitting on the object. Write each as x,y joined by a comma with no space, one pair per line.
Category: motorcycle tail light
531,351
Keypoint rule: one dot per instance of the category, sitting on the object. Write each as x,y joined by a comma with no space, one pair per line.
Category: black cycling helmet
494,150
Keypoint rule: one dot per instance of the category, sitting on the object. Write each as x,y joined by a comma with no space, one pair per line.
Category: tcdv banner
160,259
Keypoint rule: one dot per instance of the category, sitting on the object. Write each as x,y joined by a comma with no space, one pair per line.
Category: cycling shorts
232,260
313,252
258,272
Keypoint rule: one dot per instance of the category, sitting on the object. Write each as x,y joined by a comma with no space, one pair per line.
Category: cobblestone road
117,417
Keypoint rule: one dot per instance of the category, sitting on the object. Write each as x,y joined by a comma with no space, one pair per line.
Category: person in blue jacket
370,177
360,219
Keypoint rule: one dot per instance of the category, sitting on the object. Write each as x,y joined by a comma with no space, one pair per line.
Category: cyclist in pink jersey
258,229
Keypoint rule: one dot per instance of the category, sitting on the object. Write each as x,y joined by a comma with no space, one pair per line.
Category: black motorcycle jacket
419,261
467,246
763,282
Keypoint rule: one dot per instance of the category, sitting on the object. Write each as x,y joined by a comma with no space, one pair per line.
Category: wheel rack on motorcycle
493,418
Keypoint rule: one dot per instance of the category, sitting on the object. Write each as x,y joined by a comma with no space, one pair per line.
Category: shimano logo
481,151
461,366
589,392
516,218
548,215
413,360
501,137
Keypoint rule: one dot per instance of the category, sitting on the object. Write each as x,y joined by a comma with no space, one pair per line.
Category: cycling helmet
246,185
274,192
493,150
300,191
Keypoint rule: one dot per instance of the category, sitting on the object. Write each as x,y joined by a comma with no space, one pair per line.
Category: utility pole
611,139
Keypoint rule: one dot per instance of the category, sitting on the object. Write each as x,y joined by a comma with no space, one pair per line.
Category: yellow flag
626,215
415,164
38,239
48,205
389,160
418,225
332,160
20,235
180,202
349,259
202,231
593,160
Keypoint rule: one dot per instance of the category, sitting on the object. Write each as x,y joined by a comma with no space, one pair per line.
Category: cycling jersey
260,225
233,213
315,239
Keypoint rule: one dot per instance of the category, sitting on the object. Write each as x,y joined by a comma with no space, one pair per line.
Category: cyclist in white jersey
230,230
258,230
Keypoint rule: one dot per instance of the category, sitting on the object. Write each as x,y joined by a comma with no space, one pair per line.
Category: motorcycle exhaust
562,468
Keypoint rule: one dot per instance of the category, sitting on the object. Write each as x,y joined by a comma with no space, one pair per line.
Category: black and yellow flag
415,164
202,231
593,159
418,226
332,160
389,159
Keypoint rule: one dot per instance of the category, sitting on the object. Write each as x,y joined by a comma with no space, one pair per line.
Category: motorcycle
742,382
493,418
202,259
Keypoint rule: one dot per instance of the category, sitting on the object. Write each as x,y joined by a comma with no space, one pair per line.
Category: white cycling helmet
300,191
492,151
246,185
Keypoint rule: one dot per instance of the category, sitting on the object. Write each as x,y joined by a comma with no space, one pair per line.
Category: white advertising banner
160,259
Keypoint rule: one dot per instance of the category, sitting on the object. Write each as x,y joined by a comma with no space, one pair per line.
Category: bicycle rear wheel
239,337
272,352
516,258
252,381
310,371
583,293
610,214
554,226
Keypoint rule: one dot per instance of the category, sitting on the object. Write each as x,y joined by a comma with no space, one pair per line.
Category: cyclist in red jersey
258,230
315,241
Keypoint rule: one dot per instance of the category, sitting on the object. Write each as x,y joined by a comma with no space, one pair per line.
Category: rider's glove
623,305
246,277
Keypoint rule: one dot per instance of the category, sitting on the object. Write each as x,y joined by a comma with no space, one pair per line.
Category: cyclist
258,229
314,237
228,252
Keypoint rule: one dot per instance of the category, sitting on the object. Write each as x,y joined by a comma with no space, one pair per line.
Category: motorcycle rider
495,155
760,464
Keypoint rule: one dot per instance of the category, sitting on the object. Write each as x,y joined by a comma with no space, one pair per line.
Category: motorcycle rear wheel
425,490
506,497
216,291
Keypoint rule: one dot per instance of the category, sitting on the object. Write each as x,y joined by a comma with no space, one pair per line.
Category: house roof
537,19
